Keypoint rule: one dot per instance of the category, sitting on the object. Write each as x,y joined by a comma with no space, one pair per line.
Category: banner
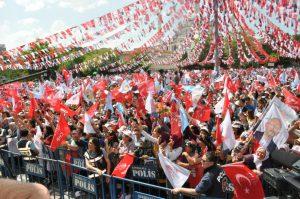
176,174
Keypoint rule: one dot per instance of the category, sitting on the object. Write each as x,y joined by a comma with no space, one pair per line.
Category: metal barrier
71,179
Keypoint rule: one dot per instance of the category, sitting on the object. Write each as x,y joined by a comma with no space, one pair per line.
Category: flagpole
216,37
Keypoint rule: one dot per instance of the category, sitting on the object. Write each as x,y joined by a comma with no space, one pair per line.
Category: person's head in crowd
175,141
24,133
237,152
204,132
250,114
195,130
208,159
190,147
133,122
5,114
126,136
79,125
76,135
261,103
237,128
261,153
94,145
137,132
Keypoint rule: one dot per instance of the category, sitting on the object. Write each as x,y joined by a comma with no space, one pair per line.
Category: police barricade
71,180
33,169
82,182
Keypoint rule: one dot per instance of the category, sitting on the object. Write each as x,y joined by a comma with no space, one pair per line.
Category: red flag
93,109
246,183
32,108
66,75
187,98
196,175
291,100
123,166
101,85
140,107
271,80
62,108
202,113
61,132
4,103
174,120
91,112
218,131
167,97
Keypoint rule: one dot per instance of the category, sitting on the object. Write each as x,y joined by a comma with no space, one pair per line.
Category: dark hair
207,141
195,130
97,145
211,156
24,132
32,123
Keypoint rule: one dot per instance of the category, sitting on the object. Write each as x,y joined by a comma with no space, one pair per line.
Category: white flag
227,133
74,100
149,105
176,174
196,94
125,86
219,106
88,128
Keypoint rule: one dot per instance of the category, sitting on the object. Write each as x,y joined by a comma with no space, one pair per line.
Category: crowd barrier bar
64,179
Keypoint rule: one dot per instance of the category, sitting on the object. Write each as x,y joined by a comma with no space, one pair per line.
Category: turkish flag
123,166
291,100
100,85
62,108
246,183
32,108
61,132
202,113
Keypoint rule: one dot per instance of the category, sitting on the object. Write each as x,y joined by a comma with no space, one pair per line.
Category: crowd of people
179,114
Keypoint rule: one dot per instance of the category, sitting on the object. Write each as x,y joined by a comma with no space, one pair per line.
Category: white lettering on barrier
79,162
34,169
143,172
83,183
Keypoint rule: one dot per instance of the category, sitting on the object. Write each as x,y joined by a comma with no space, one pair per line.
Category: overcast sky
22,21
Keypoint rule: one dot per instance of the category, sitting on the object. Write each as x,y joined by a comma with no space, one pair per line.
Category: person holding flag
214,182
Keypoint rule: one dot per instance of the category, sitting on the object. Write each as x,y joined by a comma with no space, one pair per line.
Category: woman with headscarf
258,161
